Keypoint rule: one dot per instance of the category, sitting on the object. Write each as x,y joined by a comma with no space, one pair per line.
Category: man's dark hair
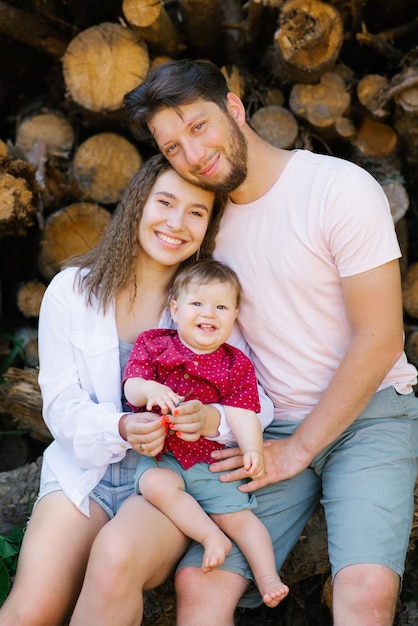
172,84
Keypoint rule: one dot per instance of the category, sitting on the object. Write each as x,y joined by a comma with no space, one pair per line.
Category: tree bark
410,290
261,22
202,25
154,25
405,94
20,397
103,165
31,29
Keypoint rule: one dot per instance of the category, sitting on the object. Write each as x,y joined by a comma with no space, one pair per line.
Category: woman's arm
80,375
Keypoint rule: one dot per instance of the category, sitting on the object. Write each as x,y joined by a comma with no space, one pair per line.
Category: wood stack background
338,77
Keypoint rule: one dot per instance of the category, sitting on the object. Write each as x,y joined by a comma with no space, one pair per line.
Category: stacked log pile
337,76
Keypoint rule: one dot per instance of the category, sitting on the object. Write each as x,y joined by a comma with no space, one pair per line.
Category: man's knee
195,589
366,594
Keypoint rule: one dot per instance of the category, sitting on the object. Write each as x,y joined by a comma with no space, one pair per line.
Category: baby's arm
141,392
248,433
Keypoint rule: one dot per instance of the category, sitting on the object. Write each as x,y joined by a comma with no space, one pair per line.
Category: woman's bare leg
165,490
207,599
137,550
52,563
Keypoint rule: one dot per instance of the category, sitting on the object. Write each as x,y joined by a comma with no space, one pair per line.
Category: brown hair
111,263
172,84
203,272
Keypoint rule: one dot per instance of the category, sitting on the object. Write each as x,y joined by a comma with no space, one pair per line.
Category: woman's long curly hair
111,264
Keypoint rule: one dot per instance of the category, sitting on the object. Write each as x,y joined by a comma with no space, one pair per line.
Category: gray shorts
115,487
365,482
203,485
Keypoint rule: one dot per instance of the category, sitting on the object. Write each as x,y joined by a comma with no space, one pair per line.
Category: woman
91,314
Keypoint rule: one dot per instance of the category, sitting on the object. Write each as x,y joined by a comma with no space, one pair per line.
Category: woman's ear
173,310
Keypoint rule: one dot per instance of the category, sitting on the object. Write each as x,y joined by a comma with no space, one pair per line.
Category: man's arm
373,303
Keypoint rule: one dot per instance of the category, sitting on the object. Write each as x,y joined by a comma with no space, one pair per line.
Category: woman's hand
281,461
144,431
192,419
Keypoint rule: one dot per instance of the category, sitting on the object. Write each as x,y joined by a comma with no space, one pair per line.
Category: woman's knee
111,553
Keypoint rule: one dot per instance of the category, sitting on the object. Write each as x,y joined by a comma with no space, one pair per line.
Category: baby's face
205,315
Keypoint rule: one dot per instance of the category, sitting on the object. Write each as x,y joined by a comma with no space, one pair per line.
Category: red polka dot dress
225,376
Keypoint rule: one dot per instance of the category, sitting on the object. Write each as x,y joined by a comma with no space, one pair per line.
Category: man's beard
237,162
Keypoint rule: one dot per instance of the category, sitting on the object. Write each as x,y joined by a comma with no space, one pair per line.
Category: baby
165,367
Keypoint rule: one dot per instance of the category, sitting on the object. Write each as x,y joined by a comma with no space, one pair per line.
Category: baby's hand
254,464
160,395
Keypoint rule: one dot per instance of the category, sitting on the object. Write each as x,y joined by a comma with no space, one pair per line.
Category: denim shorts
203,485
365,482
115,487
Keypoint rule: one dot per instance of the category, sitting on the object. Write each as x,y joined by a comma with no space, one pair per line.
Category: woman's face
174,220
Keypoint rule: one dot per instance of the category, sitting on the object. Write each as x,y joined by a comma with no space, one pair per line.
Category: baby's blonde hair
202,273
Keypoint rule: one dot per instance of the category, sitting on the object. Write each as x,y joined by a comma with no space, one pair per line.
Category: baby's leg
165,490
254,541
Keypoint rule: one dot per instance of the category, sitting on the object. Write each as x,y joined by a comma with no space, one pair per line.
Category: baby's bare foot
217,546
272,590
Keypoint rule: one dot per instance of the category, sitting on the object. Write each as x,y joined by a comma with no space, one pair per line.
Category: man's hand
281,461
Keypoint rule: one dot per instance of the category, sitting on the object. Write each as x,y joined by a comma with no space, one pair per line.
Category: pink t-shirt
324,219
225,376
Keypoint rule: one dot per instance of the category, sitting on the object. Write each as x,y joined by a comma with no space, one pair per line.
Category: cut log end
70,231
102,64
19,196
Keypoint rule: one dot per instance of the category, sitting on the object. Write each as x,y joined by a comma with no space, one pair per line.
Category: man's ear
173,310
236,108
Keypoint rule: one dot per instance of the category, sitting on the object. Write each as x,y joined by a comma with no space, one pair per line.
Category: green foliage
9,552
4,582
16,350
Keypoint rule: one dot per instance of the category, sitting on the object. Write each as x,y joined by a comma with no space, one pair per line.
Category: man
312,240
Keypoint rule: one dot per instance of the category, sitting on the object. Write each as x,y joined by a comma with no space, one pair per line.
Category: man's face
203,143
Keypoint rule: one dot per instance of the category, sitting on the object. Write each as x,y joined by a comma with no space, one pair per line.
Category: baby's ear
236,313
173,310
